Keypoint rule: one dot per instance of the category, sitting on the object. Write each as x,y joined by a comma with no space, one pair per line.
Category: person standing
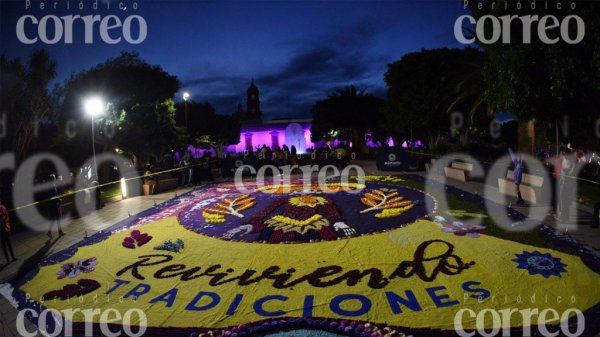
293,151
97,193
518,174
196,171
54,208
149,179
556,176
5,235
206,169
189,167
293,156
185,169
566,185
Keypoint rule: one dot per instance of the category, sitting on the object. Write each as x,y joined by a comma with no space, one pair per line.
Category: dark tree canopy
24,99
206,127
425,87
124,81
349,113
547,81
140,116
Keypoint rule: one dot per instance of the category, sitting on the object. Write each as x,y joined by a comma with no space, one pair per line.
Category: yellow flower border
382,179
298,187
294,222
393,212
213,218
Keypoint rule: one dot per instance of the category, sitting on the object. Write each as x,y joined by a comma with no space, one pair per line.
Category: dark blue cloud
320,65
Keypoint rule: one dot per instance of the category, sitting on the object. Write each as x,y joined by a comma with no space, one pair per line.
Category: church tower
252,103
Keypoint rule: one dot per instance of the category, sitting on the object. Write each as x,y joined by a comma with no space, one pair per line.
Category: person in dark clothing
5,235
97,194
285,149
149,179
185,169
519,164
557,162
196,172
54,209
206,169
566,185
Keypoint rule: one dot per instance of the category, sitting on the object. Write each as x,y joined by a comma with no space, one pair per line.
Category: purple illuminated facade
274,133
279,132
257,133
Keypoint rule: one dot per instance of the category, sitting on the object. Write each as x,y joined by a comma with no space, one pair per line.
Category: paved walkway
30,246
578,226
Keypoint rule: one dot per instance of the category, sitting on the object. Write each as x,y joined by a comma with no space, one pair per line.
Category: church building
272,133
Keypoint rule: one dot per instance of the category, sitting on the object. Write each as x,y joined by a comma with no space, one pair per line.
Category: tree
151,139
547,82
140,116
470,96
207,128
348,114
424,87
25,101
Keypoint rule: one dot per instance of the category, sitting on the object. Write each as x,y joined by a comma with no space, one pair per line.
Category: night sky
296,52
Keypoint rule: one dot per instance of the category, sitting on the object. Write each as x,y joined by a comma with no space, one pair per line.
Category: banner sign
392,160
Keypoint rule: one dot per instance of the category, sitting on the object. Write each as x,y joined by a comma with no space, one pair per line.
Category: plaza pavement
31,247
579,225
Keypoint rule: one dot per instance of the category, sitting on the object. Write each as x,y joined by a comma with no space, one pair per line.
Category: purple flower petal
89,263
74,272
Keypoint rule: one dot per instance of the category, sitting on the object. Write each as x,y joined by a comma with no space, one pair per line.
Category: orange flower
307,200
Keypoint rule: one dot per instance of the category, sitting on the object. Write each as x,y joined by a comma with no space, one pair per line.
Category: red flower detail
82,287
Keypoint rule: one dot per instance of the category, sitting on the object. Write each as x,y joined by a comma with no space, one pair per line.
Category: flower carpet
372,259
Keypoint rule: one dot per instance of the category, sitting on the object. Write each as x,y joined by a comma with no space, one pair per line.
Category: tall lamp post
94,106
186,97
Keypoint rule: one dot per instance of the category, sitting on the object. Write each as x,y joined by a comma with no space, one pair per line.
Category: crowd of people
563,168
284,155
192,169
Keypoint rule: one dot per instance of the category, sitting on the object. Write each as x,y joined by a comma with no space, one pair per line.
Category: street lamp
94,106
186,97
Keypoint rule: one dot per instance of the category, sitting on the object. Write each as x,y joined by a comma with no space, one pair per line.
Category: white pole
94,152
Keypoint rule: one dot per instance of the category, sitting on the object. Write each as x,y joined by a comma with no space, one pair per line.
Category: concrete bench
458,171
165,182
531,186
